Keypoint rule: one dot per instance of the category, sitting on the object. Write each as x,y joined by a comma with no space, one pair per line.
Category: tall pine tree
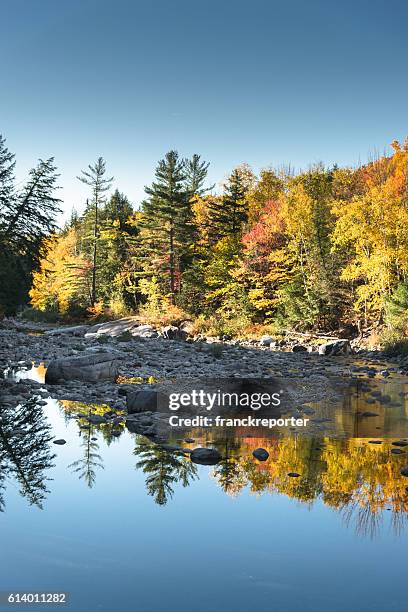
228,213
167,214
95,178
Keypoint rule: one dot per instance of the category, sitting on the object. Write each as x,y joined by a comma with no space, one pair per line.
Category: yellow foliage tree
62,278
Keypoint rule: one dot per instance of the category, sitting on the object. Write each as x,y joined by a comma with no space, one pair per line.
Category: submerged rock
205,456
91,368
404,472
293,474
142,400
60,441
261,454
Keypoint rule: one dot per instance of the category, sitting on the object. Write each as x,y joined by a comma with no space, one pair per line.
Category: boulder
299,348
205,456
188,327
335,347
92,367
144,331
171,332
75,330
142,400
266,341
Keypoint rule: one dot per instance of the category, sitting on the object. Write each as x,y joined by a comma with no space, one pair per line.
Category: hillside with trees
317,249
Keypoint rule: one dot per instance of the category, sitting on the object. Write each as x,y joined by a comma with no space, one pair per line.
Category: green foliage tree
95,178
167,217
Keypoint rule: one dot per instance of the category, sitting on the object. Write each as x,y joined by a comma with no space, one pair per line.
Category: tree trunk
171,246
93,292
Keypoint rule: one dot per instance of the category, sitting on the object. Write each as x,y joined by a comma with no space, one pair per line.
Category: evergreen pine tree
167,213
30,217
94,177
195,175
228,214
7,164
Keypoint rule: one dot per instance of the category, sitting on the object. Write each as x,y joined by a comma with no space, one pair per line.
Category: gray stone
171,332
299,348
95,419
205,456
60,441
335,347
404,472
266,341
75,330
293,475
91,368
142,400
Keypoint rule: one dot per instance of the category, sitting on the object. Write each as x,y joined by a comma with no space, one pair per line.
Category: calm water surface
121,524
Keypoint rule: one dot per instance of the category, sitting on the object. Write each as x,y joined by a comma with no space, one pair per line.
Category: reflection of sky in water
114,548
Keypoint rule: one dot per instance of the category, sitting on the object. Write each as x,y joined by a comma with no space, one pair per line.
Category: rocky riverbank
137,354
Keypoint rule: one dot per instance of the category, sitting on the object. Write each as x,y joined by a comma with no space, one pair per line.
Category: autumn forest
322,248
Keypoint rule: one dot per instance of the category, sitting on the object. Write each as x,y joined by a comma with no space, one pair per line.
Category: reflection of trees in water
359,480
86,466
163,468
229,473
25,451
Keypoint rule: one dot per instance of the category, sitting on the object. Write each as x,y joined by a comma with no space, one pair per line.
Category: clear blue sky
262,81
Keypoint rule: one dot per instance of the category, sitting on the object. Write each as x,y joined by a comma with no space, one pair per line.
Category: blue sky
262,82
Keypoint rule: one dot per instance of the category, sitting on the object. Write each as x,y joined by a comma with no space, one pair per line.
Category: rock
142,400
367,413
189,440
400,443
76,330
144,331
385,373
299,348
172,449
404,472
336,347
293,474
171,332
113,328
60,441
375,441
397,451
95,419
187,327
205,456
266,341
261,454
90,368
